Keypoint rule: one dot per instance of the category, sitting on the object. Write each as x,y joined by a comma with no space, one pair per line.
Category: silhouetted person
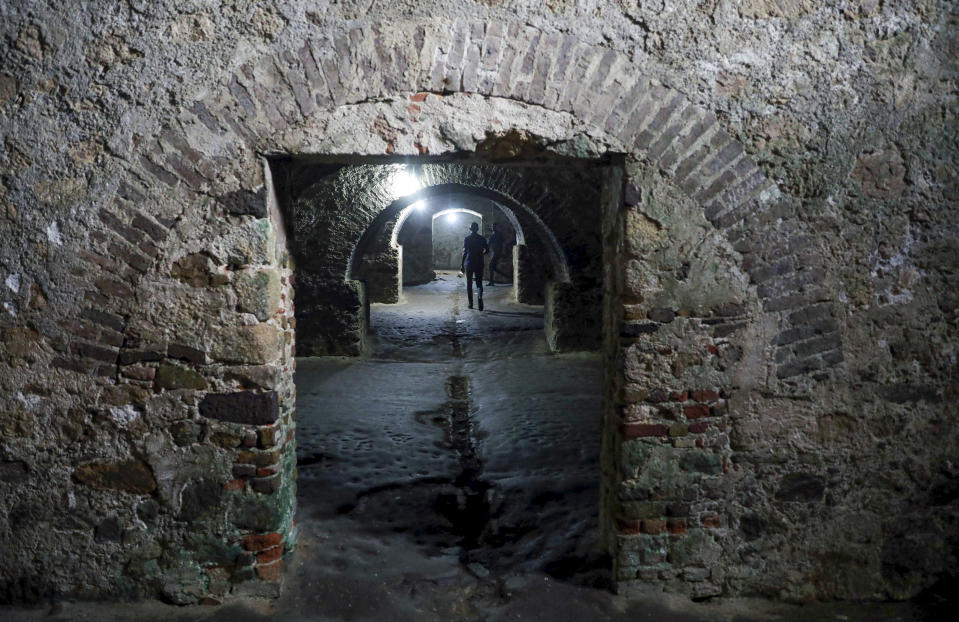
474,247
496,244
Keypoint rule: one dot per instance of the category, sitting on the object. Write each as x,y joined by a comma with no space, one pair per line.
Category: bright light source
451,217
404,183
419,205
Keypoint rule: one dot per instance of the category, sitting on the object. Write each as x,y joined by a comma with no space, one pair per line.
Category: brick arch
531,224
600,86
335,219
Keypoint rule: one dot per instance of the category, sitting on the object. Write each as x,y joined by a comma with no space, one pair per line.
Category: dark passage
460,444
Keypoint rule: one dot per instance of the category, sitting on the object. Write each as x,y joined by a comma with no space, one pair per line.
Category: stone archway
337,221
446,233
196,221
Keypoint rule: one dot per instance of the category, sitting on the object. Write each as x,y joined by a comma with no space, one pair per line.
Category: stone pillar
531,277
572,317
417,240
332,316
666,434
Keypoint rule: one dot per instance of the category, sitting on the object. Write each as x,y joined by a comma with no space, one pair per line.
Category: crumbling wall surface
140,275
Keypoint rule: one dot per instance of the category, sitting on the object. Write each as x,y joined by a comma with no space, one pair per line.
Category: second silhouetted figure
474,247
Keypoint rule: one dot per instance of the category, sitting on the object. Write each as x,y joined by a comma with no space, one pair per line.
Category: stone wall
416,238
780,281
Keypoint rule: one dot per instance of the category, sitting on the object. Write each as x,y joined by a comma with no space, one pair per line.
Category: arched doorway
458,447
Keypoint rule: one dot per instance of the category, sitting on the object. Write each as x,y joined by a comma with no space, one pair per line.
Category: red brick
269,555
705,395
718,409
117,289
235,484
265,471
263,541
712,521
654,526
139,372
637,430
268,437
79,329
210,601
676,526
696,411
678,397
698,428
259,458
629,526
271,572
418,97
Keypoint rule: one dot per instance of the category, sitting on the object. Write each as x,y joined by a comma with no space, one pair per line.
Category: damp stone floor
453,475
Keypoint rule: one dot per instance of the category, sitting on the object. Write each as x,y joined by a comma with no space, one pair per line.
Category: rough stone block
258,292
108,530
243,407
186,353
185,432
95,352
132,476
251,243
662,315
254,377
798,367
129,357
702,462
266,485
631,330
13,471
243,471
111,320
244,203
257,513
819,344
154,230
248,344
170,376
802,487
198,498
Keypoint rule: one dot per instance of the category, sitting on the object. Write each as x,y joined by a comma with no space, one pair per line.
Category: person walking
474,247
